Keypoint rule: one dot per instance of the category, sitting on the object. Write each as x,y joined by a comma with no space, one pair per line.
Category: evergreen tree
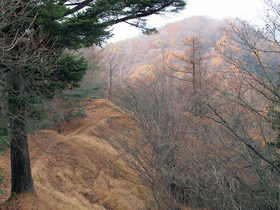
33,36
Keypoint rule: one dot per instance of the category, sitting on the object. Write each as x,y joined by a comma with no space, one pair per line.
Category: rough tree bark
21,177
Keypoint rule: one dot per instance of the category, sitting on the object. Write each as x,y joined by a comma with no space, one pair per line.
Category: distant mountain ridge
144,50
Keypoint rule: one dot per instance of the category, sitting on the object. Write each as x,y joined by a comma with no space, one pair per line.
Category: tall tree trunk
21,177
194,88
193,62
110,85
59,129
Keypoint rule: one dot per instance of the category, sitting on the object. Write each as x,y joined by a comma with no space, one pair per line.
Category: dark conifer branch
78,6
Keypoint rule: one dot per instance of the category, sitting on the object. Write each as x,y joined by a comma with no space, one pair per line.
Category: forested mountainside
205,96
139,56
136,53
192,122
145,49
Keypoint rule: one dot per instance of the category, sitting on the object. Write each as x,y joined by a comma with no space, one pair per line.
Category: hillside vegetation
192,121
205,95
74,171
136,55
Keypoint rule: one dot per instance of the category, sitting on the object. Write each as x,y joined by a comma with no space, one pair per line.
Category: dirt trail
78,176
81,131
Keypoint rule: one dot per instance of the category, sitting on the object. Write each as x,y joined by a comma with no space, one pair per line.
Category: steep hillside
145,50
139,55
74,171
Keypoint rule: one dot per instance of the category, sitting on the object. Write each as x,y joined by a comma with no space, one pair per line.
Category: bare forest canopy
141,54
204,98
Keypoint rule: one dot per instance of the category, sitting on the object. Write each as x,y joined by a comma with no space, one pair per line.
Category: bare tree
226,157
112,57
246,105
188,160
191,67
168,148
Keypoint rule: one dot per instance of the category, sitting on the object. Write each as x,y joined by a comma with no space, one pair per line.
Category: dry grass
77,175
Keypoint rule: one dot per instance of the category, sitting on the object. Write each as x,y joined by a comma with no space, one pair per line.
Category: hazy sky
218,9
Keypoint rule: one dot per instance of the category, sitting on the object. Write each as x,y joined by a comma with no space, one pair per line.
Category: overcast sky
218,9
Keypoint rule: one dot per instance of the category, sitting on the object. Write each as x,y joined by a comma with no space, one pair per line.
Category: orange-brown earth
71,170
